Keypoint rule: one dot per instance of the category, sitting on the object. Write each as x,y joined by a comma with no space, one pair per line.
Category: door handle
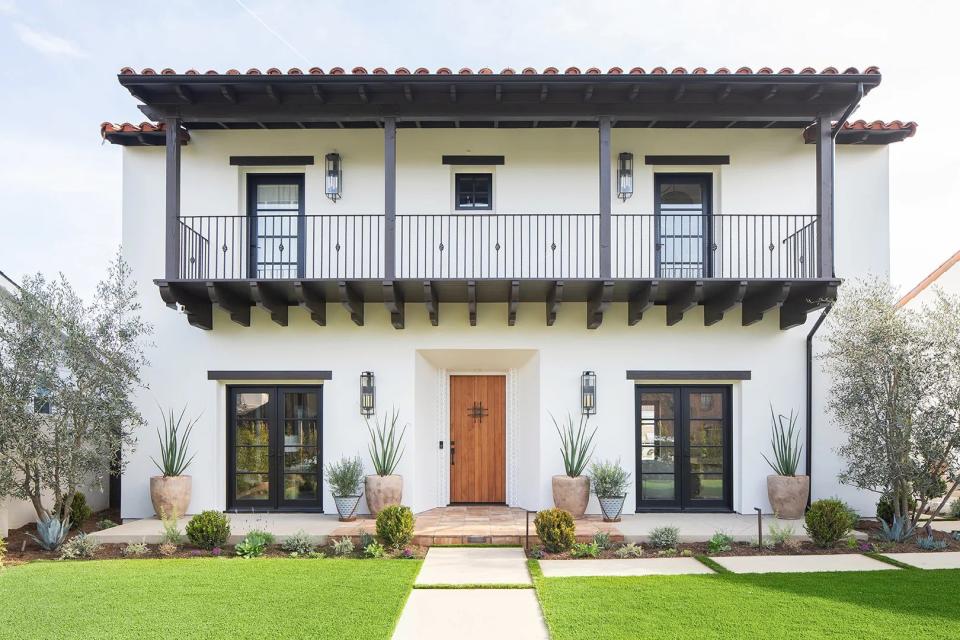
452,451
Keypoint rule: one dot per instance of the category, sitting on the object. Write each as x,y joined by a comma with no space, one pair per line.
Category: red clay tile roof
127,133
126,127
403,71
880,125
930,279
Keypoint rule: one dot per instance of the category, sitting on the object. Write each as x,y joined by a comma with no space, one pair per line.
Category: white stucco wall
770,171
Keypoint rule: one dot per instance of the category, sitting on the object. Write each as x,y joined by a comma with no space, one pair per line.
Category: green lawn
868,605
204,598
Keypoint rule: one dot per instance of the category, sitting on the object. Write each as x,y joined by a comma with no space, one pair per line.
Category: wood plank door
478,437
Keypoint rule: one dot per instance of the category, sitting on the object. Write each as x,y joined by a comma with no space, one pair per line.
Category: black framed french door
275,448
683,204
684,448
275,213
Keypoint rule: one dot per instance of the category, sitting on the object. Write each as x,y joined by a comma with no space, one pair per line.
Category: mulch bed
21,548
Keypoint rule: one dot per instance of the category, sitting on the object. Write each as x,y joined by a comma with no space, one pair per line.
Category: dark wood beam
199,311
362,92
311,299
604,205
679,93
432,300
272,94
270,161
390,197
513,303
393,299
172,199
238,307
814,93
266,296
724,93
407,93
825,173
687,375
723,301
641,299
769,93
588,93
682,300
472,301
766,298
794,311
543,93
634,92
599,302
686,160
453,93
498,93
318,93
554,299
269,375
351,301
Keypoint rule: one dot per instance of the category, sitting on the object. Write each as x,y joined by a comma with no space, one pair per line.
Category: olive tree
79,363
895,392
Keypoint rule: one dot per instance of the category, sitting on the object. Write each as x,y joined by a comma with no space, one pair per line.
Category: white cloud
7,7
47,43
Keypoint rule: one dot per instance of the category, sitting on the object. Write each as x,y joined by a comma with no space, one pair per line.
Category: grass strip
477,545
533,566
712,564
481,585
891,561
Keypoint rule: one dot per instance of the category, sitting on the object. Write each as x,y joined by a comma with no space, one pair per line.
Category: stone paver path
467,565
472,614
632,567
802,564
937,560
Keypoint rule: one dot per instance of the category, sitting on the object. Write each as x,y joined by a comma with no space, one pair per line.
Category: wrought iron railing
480,245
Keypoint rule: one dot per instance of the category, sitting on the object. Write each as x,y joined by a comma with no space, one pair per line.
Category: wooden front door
478,436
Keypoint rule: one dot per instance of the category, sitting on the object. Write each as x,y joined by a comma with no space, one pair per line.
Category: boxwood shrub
555,529
828,521
395,526
208,530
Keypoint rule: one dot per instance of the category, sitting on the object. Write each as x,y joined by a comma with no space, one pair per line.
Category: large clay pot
788,495
170,495
383,491
571,494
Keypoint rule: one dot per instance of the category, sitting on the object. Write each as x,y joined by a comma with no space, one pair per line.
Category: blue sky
61,205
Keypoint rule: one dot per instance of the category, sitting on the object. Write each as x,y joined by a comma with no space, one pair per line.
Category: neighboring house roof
145,134
548,71
930,279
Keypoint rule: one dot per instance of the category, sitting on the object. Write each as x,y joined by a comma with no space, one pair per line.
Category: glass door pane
682,207
276,215
252,425
300,421
656,462
707,427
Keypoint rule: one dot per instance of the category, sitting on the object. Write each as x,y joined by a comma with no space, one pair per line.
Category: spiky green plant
174,445
576,446
785,440
385,444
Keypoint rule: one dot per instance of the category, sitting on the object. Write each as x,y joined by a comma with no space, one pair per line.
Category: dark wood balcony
761,262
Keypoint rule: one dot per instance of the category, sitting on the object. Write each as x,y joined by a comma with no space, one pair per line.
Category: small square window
474,191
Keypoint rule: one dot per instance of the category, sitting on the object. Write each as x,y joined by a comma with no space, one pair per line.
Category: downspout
809,445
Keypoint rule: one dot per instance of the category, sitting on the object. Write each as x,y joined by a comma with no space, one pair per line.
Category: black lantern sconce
588,393
625,176
368,394
334,176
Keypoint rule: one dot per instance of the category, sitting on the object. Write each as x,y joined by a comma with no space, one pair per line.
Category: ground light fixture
588,393
334,176
625,176
368,394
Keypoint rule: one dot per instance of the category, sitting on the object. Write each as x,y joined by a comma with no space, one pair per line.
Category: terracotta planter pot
571,494
788,495
170,495
347,507
611,507
383,491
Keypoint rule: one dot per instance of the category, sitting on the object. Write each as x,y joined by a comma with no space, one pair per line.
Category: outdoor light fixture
334,176
625,176
588,393
368,394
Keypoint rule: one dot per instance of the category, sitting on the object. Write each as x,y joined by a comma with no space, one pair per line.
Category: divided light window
474,191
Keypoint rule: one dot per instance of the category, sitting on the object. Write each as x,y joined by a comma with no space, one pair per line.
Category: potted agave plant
610,482
571,491
170,492
384,488
345,478
786,490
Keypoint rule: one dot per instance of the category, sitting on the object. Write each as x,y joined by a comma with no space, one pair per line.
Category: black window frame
458,190
705,181
255,180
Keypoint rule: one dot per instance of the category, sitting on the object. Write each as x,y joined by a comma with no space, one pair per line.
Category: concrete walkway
699,527
472,614
929,560
630,567
802,564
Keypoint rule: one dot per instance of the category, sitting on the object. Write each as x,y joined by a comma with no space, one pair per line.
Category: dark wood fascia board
472,160
686,160
270,161
269,375
634,374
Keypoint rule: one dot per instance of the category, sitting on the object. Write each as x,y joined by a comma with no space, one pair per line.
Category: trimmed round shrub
395,526
208,530
555,529
828,521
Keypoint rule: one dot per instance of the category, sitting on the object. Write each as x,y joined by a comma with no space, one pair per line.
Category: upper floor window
474,191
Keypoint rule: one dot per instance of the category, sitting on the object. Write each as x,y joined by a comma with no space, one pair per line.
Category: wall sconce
588,393
368,394
625,176
334,176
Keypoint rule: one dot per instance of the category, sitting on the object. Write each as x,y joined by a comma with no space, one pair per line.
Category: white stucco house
654,246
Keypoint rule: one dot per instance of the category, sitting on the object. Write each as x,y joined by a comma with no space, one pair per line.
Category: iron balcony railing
479,245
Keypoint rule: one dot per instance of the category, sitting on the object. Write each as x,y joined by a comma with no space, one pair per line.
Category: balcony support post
172,217
825,175
605,195
390,197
